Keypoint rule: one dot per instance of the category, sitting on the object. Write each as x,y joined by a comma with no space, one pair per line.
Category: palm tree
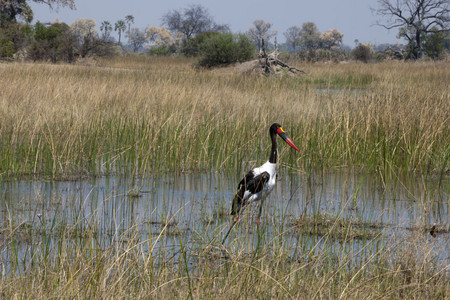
130,20
106,28
120,26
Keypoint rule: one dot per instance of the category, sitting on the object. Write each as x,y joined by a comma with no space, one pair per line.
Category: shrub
6,48
162,50
434,45
53,43
13,38
362,53
225,48
192,46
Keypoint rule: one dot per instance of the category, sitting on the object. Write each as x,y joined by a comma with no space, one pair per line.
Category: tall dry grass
148,115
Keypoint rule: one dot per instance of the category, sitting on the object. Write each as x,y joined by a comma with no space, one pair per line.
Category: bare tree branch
414,18
191,21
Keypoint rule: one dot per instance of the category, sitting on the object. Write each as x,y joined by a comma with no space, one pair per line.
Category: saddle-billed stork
260,181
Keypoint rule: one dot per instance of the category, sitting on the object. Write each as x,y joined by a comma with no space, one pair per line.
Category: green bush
192,46
6,48
162,50
225,48
14,37
434,45
55,43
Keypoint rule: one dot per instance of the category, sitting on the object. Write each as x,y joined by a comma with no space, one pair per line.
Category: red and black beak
288,141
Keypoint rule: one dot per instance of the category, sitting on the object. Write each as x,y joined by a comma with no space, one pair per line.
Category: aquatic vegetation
91,239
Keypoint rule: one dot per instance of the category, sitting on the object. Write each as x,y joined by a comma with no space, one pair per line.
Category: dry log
268,62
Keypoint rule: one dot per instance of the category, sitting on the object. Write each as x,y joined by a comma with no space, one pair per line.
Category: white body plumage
268,187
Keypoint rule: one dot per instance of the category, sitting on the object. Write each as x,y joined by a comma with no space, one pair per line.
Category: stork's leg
235,220
229,230
258,220
240,212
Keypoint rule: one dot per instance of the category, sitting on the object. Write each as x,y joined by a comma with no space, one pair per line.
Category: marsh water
193,209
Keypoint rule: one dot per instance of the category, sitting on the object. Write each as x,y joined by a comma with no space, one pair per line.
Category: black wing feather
253,184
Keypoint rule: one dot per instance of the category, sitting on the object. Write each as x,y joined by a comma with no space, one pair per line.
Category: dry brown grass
162,114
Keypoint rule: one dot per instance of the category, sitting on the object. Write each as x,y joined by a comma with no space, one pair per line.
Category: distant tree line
48,42
53,42
192,31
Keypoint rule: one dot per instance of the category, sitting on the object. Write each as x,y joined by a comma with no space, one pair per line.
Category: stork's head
276,129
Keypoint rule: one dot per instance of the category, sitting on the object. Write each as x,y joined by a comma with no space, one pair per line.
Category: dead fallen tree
268,63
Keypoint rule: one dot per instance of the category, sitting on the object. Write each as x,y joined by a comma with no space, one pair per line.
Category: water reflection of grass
146,115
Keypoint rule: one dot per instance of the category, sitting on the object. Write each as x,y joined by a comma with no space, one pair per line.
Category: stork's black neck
273,152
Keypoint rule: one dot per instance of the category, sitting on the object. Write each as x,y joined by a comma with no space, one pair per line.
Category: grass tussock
336,228
146,115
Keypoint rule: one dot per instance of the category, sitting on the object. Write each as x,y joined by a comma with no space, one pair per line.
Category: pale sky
353,18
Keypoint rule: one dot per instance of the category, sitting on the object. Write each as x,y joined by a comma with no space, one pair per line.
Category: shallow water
193,209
